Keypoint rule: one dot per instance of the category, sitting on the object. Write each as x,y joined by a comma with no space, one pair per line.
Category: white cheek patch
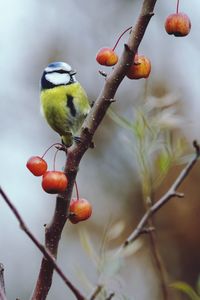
57,78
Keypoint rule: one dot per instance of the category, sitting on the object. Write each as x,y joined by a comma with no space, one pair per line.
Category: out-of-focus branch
2,284
48,256
2,294
158,261
171,193
96,292
110,296
76,151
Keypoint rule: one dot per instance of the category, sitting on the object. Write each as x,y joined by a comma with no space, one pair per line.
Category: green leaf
139,126
185,288
163,161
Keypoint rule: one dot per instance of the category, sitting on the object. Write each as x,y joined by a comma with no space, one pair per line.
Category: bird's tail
67,139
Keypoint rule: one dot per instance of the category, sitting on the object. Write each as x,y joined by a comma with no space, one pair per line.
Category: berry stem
136,58
54,159
177,6
120,37
55,144
76,187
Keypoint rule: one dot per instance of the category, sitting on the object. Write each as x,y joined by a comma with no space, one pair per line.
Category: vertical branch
2,283
148,200
159,266
76,151
2,294
158,260
53,233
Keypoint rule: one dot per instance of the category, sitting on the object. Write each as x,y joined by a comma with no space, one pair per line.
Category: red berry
140,68
54,182
80,210
178,24
36,165
106,57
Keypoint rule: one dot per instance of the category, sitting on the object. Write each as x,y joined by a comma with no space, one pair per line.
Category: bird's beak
72,72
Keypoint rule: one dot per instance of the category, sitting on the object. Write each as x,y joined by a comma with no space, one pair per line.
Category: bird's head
56,74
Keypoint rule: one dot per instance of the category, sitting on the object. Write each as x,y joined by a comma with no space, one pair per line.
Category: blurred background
34,33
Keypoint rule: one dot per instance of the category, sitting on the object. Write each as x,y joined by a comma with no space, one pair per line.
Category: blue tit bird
64,102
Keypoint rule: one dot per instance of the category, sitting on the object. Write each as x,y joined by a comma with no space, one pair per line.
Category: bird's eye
61,71
58,78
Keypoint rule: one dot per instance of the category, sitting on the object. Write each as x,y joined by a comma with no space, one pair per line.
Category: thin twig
158,261
44,251
110,296
171,193
102,73
146,219
146,230
2,283
96,292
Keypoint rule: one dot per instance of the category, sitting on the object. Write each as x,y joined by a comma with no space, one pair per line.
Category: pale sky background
32,34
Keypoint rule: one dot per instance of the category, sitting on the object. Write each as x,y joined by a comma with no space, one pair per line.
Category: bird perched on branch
64,102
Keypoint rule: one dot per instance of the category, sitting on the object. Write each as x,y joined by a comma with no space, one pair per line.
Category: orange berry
140,68
36,165
54,182
106,57
80,210
178,24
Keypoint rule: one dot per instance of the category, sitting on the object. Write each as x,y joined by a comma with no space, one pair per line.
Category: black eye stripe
46,84
58,71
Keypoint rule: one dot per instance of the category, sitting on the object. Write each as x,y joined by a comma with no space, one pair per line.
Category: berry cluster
55,182
177,24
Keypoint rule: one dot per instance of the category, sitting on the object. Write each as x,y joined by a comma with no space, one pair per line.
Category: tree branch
96,292
2,294
76,151
171,193
110,296
48,256
2,284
